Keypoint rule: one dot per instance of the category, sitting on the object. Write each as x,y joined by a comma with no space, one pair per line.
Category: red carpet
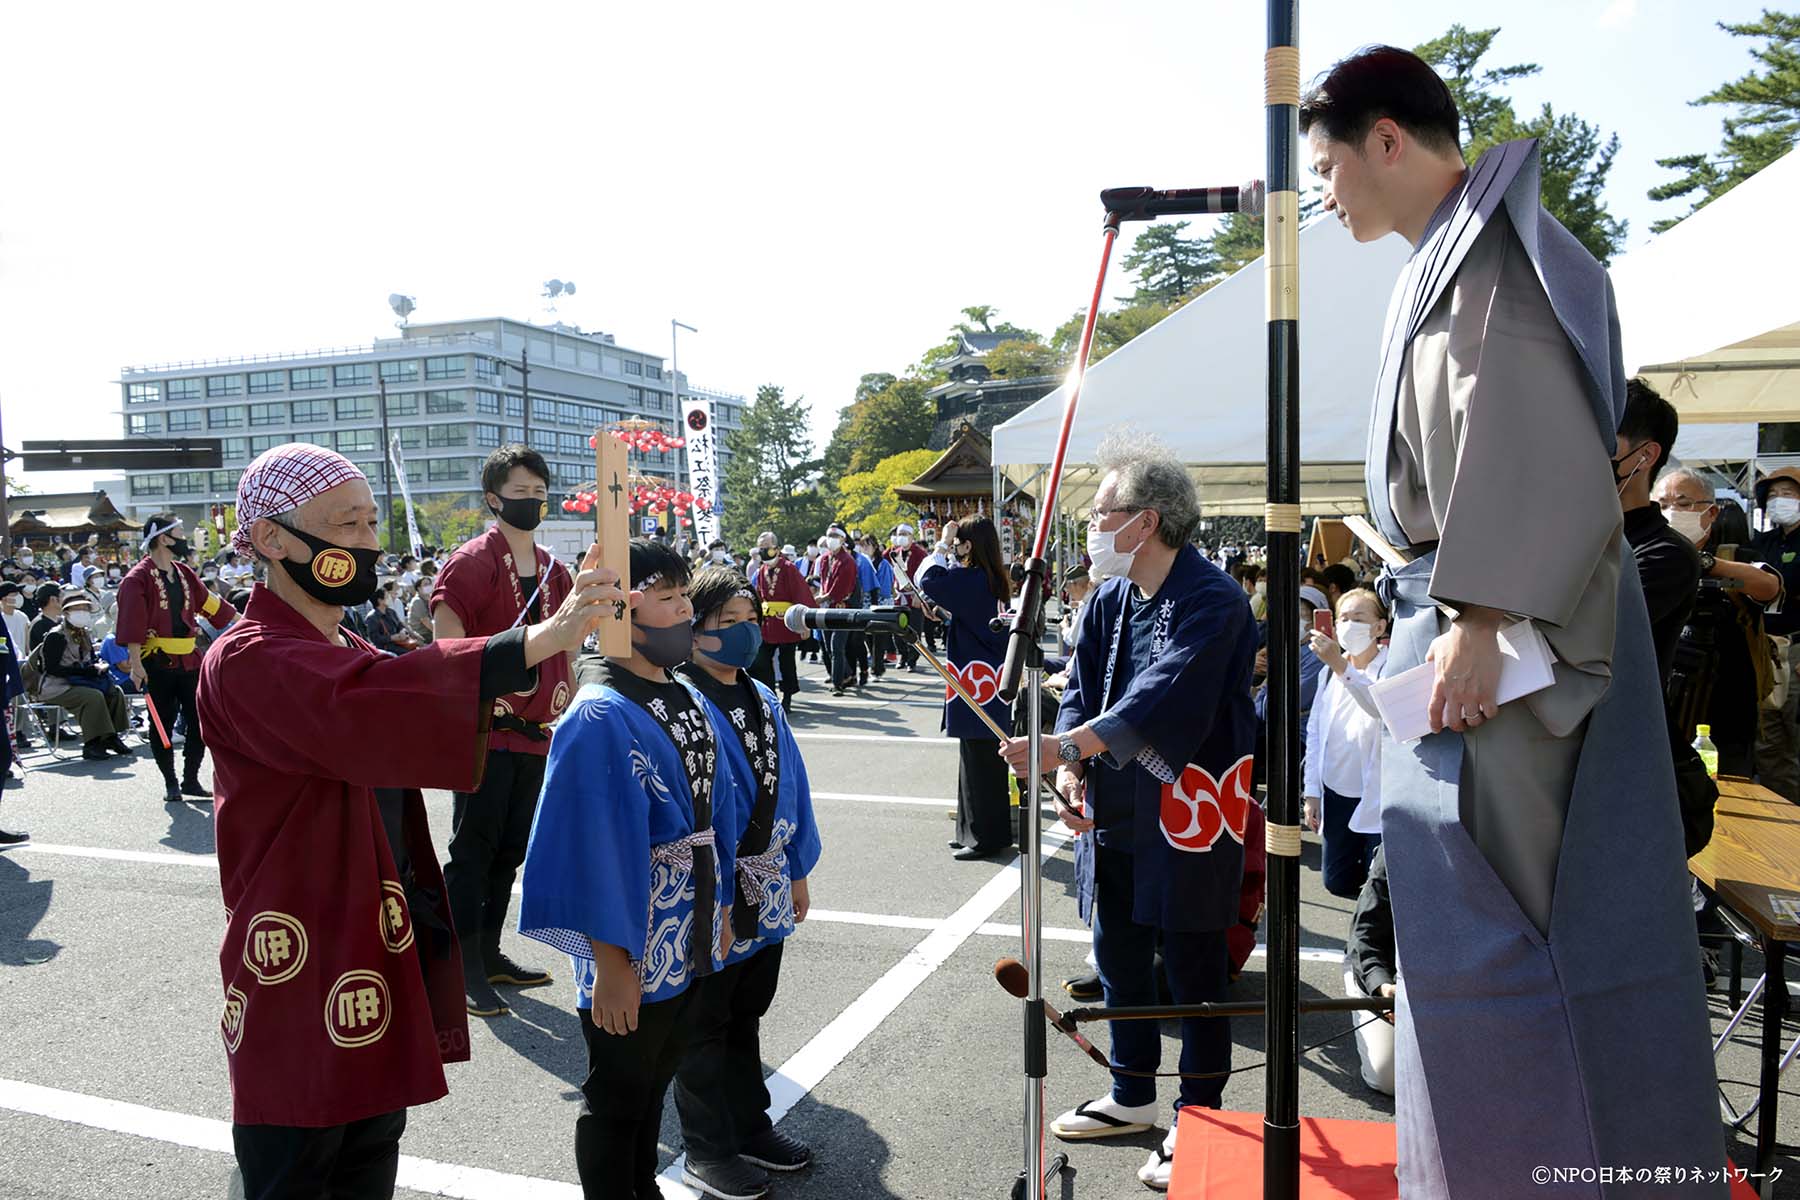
1220,1154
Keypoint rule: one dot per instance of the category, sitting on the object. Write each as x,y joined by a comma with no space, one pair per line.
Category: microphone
1147,204
882,619
1010,974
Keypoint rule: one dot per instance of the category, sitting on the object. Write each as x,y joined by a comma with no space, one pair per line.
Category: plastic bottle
1709,753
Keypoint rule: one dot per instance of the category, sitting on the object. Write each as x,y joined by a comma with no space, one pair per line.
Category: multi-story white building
453,395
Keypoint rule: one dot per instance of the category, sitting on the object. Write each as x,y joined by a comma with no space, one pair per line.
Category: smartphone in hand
1322,623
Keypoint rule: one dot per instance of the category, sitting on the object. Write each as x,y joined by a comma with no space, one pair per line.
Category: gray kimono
1551,1010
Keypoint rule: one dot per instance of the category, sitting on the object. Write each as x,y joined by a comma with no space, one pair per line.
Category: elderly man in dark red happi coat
342,985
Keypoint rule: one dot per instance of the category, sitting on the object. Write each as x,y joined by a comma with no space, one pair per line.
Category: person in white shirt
1341,791
82,567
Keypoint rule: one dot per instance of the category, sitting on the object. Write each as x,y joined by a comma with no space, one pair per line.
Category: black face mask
521,512
336,574
667,647
180,547
770,555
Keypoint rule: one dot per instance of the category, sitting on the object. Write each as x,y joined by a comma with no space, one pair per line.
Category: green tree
1168,266
866,499
980,314
1575,158
1111,329
1765,127
770,469
448,520
897,418
1022,360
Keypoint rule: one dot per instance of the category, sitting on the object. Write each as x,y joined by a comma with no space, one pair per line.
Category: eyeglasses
1685,504
1096,514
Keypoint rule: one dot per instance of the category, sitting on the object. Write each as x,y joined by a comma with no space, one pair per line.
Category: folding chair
1742,936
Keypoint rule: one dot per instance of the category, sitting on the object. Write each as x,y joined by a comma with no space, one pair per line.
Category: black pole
1281,1079
525,395
387,463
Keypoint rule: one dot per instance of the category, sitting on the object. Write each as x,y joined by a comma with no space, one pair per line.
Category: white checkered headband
152,531
282,479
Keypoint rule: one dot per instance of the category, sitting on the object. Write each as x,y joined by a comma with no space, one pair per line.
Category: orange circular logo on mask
333,567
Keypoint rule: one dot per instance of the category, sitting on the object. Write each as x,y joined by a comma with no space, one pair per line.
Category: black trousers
357,1161
856,651
764,668
172,691
983,797
489,829
622,1100
719,1088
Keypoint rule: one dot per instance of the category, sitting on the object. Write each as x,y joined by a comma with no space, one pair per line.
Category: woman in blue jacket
973,592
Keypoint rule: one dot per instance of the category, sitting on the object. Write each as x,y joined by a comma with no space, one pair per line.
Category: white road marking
172,858
823,915
205,1133
867,799
890,738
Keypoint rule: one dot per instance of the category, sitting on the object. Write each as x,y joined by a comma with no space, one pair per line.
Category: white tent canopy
1197,380
1710,310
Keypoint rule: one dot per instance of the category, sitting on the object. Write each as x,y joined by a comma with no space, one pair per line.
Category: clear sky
818,187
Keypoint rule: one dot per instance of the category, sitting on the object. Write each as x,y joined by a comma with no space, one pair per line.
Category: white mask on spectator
80,618
1783,510
834,544
902,540
1690,525
1355,636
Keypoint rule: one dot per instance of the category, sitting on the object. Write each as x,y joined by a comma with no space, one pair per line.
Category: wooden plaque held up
612,530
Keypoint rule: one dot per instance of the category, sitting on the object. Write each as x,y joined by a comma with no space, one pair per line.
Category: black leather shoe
196,789
171,792
972,853
95,750
1085,988
117,745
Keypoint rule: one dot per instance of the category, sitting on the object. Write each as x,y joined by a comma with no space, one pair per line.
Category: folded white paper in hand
1404,700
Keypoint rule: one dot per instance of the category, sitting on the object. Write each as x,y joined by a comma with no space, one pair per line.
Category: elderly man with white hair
1721,658
343,989
1155,740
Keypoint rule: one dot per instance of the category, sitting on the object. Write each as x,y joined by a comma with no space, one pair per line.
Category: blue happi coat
794,838
615,792
974,651
1190,777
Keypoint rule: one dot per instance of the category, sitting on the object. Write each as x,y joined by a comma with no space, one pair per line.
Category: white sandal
1103,1118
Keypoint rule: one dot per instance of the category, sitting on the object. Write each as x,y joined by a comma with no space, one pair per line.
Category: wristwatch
1066,750
1707,560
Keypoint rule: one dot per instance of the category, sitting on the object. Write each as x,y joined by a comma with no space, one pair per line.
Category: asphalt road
895,1054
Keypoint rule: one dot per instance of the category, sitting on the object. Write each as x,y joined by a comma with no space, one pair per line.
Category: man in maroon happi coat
342,986
491,584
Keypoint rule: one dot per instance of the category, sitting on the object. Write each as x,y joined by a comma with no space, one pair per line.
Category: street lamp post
387,466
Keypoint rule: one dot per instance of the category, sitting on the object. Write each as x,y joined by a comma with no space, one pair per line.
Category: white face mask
81,618
902,540
718,556
1262,587
1783,510
1103,549
25,560
1355,636
1690,525
834,544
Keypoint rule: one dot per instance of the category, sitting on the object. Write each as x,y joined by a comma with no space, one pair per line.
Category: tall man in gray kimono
1551,1011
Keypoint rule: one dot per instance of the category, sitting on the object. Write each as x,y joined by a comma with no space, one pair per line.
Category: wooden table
1755,854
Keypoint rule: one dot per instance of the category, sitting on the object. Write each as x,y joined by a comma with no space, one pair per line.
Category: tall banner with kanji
703,466
412,524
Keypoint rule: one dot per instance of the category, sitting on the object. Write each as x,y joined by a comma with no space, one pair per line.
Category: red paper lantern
593,444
